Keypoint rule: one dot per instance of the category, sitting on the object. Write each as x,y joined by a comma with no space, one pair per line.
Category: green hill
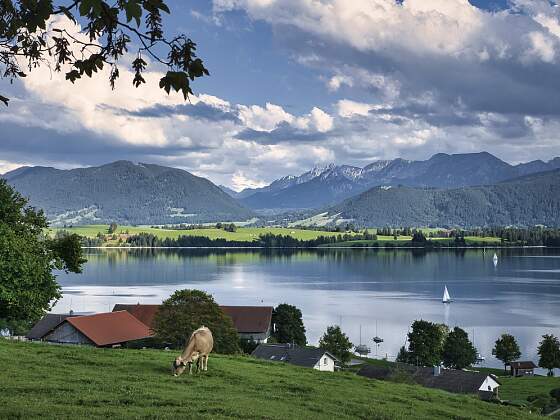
50,381
125,193
527,201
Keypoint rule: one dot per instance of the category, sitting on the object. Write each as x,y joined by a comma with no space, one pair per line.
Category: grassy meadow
69,382
252,234
241,234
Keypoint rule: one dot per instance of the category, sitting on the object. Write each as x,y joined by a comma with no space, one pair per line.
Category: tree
288,325
418,237
337,343
403,356
425,343
506,349
185,311
458,351
28,286
113,228
27,42
549,353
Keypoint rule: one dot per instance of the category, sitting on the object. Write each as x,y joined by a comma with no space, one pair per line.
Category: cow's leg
206,362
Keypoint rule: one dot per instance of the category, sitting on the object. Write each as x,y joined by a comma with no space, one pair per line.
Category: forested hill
125,192
526,201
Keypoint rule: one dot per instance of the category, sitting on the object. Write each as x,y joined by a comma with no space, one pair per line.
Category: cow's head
178,366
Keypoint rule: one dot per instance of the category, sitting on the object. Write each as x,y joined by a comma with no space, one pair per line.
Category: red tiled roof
250,319
110,328
144,313
246,319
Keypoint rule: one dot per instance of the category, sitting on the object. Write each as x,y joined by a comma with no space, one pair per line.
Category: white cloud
241,181
348,108
542,47
8,166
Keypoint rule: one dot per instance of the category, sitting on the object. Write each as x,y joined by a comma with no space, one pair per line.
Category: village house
450,380
522,368
309,357
48,323
102,330
251,322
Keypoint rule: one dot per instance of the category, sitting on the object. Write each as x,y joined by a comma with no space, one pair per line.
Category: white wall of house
489,384
325,363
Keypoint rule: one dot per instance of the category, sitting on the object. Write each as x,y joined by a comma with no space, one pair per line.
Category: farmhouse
315,358
522,368
102,330
450,380
251,322
47,324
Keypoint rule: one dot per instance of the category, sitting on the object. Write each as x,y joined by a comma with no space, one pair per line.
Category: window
325,361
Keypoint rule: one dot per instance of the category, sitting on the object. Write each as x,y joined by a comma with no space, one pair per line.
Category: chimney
437,370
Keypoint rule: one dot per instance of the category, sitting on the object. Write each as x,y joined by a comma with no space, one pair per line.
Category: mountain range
475,189
526,201
325,186
125,193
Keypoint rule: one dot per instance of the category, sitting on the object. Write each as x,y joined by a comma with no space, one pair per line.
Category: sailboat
446,298
495,258
362,349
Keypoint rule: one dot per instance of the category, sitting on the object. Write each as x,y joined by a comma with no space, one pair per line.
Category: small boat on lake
495,258
446,297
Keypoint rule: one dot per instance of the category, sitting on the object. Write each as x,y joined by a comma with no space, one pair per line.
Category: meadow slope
51,381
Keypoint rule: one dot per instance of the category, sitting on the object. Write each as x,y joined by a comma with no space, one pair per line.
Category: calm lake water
383,291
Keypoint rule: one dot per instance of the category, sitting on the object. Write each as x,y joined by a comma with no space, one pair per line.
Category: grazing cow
196,351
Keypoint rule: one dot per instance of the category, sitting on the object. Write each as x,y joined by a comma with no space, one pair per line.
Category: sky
299,83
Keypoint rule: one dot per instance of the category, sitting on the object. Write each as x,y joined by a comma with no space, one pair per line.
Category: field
51,381
251,234
242,233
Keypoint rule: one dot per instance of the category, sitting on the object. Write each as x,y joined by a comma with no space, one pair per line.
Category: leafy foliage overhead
110,28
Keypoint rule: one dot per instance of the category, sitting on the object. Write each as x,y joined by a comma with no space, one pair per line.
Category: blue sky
295,83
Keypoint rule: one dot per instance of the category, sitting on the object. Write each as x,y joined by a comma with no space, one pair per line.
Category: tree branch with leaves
110,28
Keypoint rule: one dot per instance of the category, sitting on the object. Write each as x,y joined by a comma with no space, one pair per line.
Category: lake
383,291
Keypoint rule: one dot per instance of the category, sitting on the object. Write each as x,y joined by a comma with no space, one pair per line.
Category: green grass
63,382
518,389
242,233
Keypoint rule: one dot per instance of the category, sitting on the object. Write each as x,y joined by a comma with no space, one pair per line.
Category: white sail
446,297
495,257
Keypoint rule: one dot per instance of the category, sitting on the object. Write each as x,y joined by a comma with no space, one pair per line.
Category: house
450,380
522,368
47,324
109,329
251,322
144,313
309,357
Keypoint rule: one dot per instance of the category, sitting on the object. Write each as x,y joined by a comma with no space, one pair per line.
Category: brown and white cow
198,348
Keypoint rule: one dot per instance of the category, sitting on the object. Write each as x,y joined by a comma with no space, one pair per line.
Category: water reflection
520,295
